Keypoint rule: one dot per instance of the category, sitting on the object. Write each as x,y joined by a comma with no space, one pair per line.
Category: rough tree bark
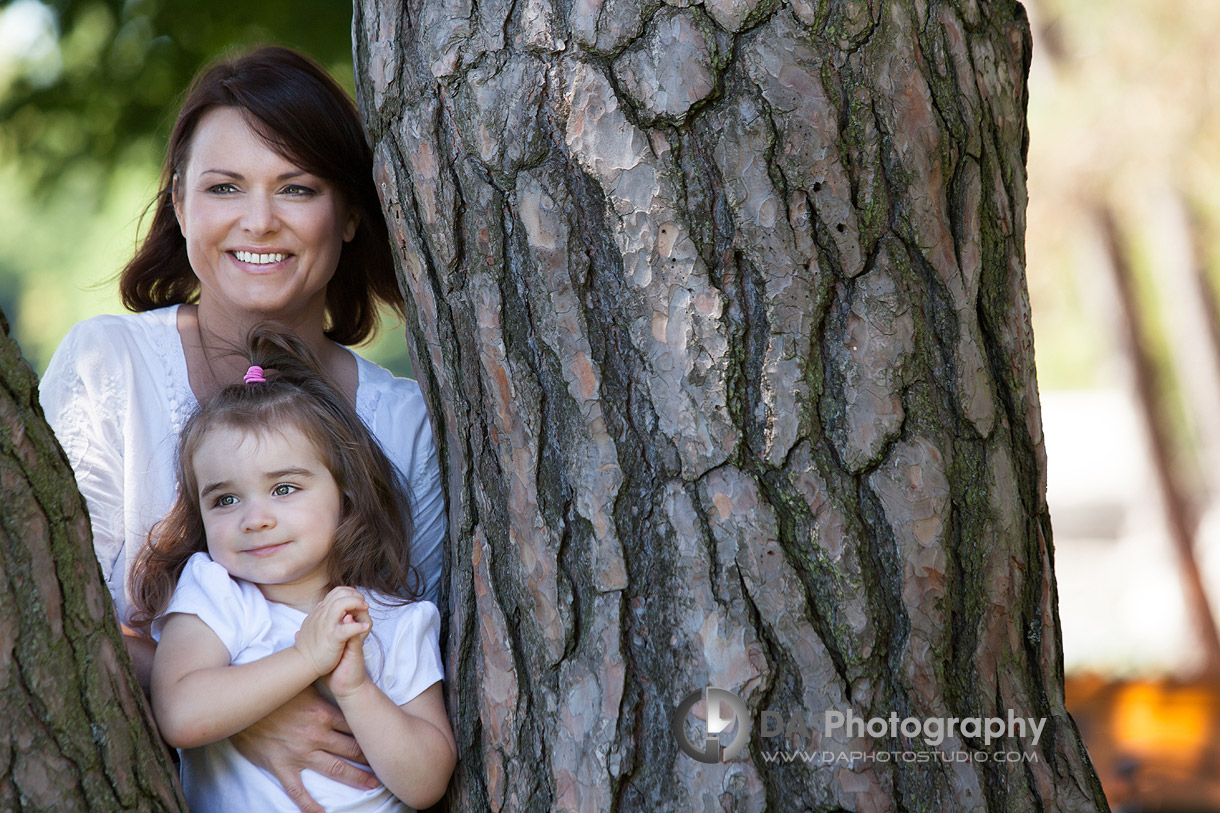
720,309
79,735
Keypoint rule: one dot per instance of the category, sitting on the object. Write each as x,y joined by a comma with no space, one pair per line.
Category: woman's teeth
258,259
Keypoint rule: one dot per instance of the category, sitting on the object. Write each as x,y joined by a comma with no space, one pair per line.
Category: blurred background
1123,250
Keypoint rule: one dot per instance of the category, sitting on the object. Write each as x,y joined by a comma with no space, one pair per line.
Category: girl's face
270,510
262,235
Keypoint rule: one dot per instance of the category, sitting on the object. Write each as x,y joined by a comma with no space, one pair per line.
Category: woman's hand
306,732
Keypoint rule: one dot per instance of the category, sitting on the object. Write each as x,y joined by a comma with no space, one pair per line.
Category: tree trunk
721,313
80,736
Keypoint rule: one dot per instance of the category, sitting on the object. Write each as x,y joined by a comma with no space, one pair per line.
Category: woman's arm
142,651
85,395
411,747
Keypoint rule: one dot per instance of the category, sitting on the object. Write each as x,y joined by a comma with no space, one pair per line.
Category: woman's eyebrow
237,176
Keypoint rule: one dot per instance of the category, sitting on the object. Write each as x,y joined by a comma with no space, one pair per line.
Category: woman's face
262,235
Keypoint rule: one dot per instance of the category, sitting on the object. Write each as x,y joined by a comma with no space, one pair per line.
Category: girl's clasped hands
331,641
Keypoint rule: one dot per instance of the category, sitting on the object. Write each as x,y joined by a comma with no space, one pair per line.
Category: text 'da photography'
713,725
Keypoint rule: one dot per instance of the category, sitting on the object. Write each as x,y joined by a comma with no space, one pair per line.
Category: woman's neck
214,345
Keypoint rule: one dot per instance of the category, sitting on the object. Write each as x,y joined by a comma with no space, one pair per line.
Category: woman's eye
298,190
223,189
283,490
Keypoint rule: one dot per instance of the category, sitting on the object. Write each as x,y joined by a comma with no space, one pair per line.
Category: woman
267,211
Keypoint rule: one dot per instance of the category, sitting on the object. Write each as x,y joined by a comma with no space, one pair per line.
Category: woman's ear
176,199
353,223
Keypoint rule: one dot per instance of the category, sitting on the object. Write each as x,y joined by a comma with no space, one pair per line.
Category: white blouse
117,394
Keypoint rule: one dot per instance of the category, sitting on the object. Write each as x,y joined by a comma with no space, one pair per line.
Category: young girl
283,562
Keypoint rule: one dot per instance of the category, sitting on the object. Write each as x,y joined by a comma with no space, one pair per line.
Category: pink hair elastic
255,375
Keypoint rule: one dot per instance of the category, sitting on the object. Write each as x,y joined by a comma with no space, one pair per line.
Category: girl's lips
268,549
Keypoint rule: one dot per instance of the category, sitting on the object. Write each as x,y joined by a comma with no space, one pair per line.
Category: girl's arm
199,698
411,747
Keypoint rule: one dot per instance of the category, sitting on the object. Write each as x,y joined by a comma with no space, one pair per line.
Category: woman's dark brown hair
304,116
371,546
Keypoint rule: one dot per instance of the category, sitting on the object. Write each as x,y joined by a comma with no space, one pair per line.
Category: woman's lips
260,260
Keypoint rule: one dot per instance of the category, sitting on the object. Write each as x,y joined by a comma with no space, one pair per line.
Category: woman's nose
260,216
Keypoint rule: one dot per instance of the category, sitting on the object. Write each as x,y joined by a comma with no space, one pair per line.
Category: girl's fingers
344,594
344,600
351,627
340,617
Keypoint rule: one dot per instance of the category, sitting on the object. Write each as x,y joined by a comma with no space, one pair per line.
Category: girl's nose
257,518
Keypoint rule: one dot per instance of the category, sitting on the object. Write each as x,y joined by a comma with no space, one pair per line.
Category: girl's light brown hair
371,546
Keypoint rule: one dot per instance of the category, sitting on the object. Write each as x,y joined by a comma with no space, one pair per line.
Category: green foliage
61,249
113,80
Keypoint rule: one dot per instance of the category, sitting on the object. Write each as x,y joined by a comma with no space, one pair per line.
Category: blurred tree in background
99,78
88,92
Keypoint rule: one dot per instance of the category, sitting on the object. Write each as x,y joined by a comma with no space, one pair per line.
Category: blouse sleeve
429,523
206,590
414,652
81,394
399,420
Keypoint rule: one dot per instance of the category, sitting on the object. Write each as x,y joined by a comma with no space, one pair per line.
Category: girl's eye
283,490
225,500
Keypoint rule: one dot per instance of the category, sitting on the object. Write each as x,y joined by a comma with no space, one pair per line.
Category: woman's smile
263,236
263,260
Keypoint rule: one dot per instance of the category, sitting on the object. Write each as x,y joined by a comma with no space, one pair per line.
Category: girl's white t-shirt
117,395
402,655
